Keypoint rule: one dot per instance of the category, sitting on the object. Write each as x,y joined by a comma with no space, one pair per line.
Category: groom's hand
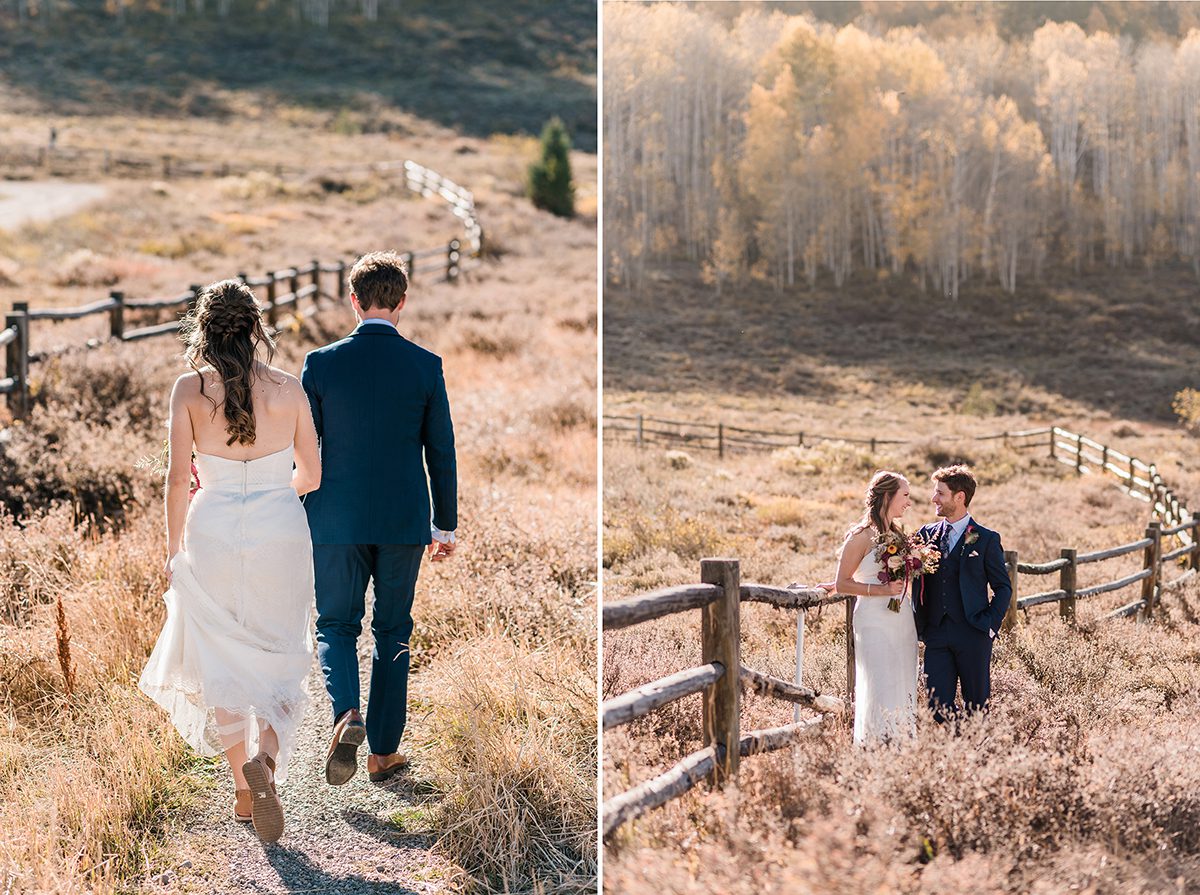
439,551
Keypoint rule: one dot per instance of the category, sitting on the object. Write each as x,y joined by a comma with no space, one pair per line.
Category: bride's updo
224,332
884,485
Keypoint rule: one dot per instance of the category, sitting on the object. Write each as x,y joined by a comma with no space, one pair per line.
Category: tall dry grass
1082,778
93,786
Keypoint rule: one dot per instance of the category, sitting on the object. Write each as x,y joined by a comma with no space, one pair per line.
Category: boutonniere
971,536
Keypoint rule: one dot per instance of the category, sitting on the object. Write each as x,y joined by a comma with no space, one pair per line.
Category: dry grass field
1082,778
95,787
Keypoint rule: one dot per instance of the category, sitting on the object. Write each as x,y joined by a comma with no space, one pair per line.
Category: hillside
476,68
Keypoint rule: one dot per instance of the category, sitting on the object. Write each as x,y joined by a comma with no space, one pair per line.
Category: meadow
1082,777
96,790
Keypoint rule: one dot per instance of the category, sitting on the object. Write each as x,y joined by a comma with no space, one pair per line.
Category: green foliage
550,185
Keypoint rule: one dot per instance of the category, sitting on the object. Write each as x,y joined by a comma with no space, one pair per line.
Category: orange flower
891,548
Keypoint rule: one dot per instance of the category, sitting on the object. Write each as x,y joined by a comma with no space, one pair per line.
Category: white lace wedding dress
236,647
885,663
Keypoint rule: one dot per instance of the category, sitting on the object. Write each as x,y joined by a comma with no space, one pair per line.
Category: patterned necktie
944,540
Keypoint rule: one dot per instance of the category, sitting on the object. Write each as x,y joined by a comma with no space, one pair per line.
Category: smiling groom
383,419
955,619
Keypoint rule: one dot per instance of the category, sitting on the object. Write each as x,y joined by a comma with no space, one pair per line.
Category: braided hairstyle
225,331
884,485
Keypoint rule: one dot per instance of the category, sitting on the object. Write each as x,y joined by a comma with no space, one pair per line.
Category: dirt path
22,202
347,839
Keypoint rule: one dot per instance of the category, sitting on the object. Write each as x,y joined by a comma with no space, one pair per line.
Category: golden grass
1084,772
110,779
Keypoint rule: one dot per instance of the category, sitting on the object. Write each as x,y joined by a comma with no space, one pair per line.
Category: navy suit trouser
342,572
957,652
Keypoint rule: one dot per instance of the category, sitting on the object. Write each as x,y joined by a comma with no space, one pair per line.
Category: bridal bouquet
157,463
903,557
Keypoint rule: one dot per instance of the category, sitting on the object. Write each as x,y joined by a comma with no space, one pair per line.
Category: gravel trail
361,838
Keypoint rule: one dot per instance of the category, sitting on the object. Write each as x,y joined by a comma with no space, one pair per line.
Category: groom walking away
955,620
383,419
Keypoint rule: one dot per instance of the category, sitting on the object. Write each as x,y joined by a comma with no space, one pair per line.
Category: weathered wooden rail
718,597
285,290
720,622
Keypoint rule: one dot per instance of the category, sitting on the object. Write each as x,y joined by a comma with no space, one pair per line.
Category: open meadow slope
98,794
1082,777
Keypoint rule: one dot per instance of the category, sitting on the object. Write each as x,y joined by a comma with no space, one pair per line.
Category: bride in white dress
230,663
885,641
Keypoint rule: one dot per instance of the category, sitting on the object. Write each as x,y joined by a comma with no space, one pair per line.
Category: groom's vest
945,595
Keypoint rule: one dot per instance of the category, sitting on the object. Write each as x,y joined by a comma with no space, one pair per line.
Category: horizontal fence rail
720,617
718,597
284,289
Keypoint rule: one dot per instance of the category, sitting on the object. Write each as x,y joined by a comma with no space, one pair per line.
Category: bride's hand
167,566
828,586
893,588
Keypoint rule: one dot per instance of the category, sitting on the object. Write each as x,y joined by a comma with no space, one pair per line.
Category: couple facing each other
939,597
365,436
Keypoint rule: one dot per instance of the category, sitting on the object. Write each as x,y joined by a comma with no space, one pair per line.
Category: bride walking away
230,663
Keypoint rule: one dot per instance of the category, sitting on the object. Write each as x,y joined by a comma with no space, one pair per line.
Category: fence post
800,441
18,360
294,285
341,278
1010,617
1066,582
799,659
116,317
166,169
452,258
107,161
1053,439
1104,459
720,641
641,435
1132,474
1195,539
316,281
720,439
850,680
1079,454
272,308
1153,560
195,289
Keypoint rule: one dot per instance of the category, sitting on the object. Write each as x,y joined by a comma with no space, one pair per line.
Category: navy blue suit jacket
382,416
981,565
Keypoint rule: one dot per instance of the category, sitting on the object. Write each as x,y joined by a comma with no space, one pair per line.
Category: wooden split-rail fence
720,594
285,290
718,597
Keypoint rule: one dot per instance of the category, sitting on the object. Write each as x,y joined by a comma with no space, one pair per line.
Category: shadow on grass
1110,340
476,67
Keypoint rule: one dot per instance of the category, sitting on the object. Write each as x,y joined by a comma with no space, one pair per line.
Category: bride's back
275,397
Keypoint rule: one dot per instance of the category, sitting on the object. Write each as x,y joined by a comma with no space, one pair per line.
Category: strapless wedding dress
885,663
237,638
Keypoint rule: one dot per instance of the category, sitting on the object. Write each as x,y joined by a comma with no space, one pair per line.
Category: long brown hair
883,486
225,331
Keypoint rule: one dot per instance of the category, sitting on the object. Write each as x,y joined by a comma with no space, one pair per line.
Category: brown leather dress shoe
342,760
266,811
382,767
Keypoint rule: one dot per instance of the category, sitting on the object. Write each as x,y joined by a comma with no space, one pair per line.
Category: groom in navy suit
387,454
955,619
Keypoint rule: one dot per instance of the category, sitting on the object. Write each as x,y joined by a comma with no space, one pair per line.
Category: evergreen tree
550,185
